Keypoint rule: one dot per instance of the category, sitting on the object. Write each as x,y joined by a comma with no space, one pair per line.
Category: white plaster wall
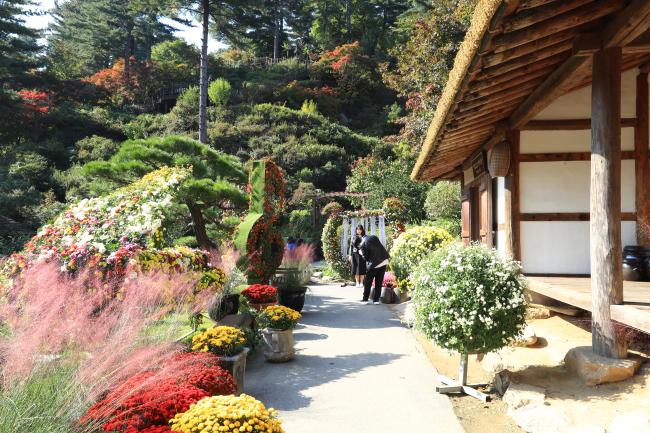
566,141
559,247
563,186
577,104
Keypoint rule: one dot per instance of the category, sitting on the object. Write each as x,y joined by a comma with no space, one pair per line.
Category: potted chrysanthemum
260,296
229,344
277,323
470,300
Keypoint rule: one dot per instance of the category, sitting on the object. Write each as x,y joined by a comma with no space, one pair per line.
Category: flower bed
260,293
96,229
147,401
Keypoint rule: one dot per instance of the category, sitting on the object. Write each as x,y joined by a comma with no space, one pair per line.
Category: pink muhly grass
103,329
300,257
225,258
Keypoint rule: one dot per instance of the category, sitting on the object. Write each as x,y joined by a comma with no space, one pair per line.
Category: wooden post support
511,197
605,202
642,167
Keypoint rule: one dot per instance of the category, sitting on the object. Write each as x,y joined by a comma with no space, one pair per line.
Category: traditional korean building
544,120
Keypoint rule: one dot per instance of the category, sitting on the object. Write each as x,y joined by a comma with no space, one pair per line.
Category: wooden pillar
605,198
641,155
511,193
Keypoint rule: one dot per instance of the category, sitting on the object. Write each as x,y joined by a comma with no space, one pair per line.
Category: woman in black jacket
354,257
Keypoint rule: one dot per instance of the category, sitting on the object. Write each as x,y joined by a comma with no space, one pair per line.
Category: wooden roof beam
627,25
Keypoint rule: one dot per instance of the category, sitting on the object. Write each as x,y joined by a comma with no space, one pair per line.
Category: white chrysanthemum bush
469,299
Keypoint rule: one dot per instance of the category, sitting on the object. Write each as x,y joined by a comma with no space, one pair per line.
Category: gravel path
357,370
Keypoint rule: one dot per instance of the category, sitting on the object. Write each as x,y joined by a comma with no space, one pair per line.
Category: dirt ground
575,406
474,415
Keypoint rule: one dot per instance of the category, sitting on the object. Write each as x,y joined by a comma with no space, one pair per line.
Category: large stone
595,369
540,418
528,338
521,394
637,421
536,311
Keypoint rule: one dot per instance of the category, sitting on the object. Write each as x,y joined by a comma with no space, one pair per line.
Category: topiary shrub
469,299
258,237
411,247
331,239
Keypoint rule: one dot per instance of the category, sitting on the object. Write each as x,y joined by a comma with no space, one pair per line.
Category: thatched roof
512,50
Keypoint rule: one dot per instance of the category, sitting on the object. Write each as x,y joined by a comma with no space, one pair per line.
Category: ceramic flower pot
261,307
293,298
278,345
236,365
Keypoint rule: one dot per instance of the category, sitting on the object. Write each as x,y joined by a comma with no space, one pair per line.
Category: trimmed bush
469,299
411,247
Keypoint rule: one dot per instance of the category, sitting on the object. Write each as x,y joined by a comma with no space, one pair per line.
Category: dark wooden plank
585,14
565,156
568,124
605,202
529,4
642,168
628,24
528,18
568,216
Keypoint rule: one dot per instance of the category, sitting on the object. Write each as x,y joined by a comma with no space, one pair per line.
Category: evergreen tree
205,194
18,56
368,21
89,35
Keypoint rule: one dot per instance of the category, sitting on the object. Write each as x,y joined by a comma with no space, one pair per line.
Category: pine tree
18,56
208,190
89,35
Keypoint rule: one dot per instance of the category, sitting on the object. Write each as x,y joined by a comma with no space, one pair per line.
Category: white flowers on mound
469,299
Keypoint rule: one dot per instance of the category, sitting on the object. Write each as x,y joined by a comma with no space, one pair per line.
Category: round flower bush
220,340
278,317
227,414
469,299
260,293
411,247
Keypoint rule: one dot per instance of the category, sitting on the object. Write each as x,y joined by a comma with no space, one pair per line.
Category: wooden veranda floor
635,312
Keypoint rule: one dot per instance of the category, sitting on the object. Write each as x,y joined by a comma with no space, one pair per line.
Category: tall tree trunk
203,80
278,32
127,56
347,21
198,221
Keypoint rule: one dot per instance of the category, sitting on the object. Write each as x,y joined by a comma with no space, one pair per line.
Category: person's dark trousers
376,274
